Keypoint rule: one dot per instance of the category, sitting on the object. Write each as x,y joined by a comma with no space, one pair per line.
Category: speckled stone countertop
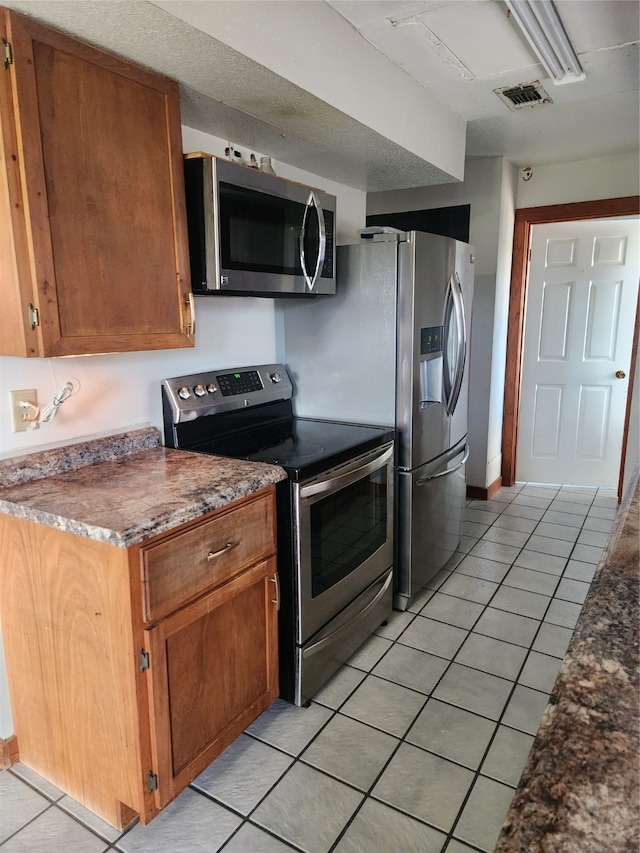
123,489
580,789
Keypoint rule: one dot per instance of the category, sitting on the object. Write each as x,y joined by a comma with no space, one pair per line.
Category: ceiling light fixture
545,32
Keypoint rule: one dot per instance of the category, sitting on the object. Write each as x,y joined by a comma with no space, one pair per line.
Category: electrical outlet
20,414
241,156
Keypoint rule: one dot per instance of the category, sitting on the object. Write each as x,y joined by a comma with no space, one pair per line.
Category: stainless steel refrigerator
391,348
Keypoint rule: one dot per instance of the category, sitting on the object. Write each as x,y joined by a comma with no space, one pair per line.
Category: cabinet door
92,200
213,670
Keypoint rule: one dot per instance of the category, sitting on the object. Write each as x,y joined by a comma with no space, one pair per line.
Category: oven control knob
276,377
211,388
184,393
199,390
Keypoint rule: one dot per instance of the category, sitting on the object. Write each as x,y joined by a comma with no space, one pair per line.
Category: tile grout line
430,696
33,819
515,683
299,758
403,740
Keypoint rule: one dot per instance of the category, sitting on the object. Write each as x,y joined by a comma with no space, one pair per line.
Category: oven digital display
231,384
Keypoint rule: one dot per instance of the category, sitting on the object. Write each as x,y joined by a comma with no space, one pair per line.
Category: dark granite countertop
580,789
125,488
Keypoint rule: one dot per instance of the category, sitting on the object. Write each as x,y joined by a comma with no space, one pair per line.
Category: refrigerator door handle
458,301
424,480
448,384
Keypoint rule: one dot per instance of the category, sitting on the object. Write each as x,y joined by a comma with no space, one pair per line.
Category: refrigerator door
430,509
432,346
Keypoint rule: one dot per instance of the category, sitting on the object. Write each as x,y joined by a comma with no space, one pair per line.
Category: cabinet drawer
179,568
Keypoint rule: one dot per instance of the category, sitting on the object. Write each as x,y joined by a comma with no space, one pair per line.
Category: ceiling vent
523,95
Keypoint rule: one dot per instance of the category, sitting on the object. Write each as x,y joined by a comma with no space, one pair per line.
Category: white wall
311,45
489,187
123,391
582,180
508,189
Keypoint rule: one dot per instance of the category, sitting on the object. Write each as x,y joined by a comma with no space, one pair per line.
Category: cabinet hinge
190,324
7,53
152,782
33,316
143,660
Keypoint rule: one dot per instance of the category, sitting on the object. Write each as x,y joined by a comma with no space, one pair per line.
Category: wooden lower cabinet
213,670
120,711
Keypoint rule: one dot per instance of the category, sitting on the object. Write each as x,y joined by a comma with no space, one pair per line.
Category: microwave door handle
313,201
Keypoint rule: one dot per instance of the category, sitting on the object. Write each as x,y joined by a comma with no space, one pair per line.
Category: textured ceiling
230,96
459,50
465,49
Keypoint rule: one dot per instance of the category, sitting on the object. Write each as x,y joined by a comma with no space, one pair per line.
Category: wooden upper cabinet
93,244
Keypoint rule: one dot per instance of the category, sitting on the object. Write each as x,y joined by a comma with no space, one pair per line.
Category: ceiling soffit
231,96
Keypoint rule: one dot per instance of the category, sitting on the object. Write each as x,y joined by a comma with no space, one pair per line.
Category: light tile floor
415,746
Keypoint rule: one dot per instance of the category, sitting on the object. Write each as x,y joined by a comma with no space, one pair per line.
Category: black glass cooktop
302,446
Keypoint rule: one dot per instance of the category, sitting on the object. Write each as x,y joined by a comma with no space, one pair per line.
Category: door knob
620,374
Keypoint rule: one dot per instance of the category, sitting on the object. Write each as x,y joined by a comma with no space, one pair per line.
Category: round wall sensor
526,173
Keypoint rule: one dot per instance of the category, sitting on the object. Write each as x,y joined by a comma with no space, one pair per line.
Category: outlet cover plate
18,424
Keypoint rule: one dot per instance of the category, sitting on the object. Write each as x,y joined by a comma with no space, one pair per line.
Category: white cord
47,414
33,413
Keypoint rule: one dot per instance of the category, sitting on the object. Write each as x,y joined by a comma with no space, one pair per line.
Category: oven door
344,536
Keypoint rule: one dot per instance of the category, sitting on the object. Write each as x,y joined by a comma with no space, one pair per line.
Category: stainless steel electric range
335,510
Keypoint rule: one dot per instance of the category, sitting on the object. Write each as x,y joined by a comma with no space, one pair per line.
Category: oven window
347,527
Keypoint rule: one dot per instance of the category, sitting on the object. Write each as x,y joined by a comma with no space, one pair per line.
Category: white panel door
581,305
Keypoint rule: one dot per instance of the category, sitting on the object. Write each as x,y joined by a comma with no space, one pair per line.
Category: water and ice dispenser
431,366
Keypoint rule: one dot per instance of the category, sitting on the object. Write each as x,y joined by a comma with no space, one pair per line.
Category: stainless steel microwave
256,234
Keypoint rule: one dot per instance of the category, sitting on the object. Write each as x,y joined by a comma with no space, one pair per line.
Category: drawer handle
276,580
228,547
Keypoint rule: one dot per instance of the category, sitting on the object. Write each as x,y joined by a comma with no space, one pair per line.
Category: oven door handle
334,484
314,648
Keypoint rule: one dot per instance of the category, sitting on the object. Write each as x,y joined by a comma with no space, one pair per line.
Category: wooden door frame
525,219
